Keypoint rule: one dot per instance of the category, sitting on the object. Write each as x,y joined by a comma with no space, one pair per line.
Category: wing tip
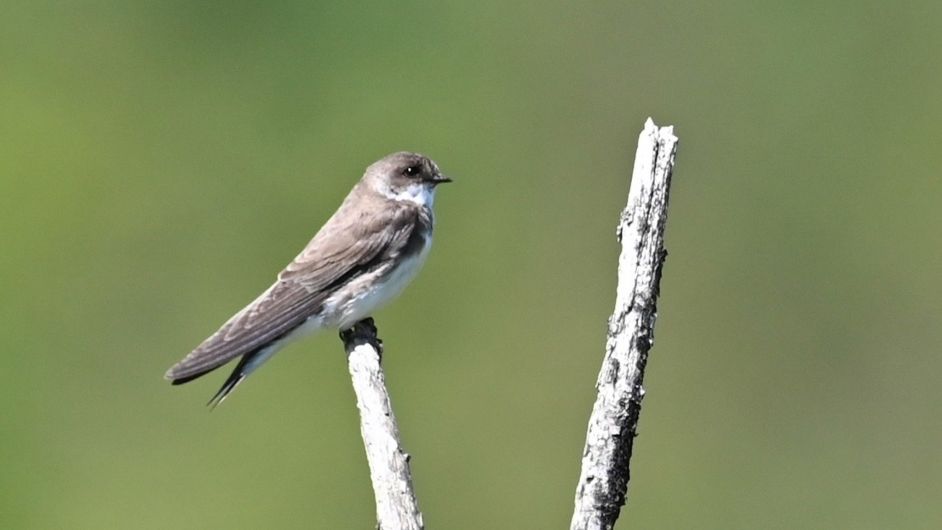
176,376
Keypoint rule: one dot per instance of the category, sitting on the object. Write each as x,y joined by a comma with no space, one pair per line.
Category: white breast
370,292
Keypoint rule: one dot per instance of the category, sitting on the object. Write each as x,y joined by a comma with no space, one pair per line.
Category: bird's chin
420,193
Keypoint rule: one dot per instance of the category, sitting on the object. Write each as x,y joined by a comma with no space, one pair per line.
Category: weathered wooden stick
396,507
603,482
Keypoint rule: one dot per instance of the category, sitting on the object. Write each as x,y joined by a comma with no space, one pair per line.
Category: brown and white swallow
362,258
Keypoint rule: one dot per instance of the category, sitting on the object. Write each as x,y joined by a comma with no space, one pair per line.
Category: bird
360,259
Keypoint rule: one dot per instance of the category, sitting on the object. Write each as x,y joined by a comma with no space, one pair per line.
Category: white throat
420,194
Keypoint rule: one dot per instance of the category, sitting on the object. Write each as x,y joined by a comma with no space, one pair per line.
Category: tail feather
231,383
247,364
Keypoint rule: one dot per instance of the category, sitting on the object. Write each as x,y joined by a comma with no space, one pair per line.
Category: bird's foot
363,331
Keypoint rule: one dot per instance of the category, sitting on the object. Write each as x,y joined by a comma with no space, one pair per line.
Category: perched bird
363,257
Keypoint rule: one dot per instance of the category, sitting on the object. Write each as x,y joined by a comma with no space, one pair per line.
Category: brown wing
339,251
356,239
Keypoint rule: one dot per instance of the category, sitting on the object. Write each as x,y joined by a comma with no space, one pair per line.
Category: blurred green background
161,161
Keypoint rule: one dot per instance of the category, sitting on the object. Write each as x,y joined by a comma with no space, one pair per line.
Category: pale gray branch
396,507
603,482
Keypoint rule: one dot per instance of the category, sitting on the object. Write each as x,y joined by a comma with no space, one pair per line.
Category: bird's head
405,176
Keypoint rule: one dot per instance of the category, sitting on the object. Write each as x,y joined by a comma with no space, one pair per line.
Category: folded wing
339,252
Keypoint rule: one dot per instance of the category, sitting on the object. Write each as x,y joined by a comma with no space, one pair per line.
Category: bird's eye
412,171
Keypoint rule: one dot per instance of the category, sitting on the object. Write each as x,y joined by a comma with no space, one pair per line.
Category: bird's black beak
440,179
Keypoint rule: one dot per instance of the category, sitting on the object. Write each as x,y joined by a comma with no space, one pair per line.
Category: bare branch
603,483
396,507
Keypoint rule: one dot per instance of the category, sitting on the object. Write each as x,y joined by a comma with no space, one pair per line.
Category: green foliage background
161,161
